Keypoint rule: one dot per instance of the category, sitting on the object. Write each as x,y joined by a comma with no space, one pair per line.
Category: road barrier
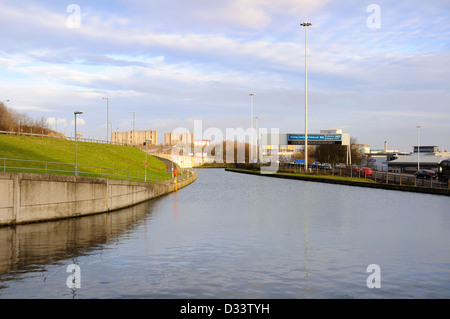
376,176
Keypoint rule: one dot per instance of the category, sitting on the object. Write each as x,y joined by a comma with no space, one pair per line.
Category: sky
376,69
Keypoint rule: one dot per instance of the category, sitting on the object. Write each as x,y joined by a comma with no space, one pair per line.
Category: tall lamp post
251,130
107,118
418,147
75,114
306,25
257,139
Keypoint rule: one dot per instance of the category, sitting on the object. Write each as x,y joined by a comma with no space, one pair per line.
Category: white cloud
80,121
238,16
199,59
57,122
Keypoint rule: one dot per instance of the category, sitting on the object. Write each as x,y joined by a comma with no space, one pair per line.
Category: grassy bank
349,181
90,154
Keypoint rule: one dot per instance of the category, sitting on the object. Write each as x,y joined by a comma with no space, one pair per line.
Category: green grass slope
90,157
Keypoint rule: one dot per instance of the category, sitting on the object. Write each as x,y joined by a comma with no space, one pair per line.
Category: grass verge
350,181
124,158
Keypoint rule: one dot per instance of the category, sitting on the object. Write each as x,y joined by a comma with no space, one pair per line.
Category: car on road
426,173
366,171
325,166
340,165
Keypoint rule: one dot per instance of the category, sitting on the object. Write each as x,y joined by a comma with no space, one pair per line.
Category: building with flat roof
135,138
426,149
175,138
411,163
423,157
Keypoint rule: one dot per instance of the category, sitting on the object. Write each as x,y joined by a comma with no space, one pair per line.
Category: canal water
232,236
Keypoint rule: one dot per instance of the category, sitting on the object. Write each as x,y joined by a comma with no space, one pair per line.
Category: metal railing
55,168
62,137
375,176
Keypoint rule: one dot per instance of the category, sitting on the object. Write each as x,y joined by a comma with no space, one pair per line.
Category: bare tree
13,121
334,154
301,154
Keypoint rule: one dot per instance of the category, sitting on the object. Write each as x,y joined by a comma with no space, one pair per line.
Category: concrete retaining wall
27,198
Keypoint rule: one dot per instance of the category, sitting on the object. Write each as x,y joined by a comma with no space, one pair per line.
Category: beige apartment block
135,138
175,138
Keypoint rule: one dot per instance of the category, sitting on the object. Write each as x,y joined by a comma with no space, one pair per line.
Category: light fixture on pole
418,147
251,129
75,114
107,118
306,25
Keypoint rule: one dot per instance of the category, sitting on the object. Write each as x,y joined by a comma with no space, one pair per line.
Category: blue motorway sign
315,137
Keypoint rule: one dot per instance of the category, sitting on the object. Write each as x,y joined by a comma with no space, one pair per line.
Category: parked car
325,166
340,165
315,165
366,171
444,171
426,173
354,167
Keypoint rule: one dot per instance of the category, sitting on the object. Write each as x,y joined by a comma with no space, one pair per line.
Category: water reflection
29,248
175,204
238,236
306,235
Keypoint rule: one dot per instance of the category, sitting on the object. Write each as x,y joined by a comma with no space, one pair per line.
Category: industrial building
423,157
175,138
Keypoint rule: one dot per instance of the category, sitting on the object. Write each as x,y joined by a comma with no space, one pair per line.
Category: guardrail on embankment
56,168
63,137
402,179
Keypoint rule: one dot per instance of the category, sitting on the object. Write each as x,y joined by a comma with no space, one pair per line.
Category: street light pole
257,139
146,150
306,25
251,130
418,147
75,114
107,118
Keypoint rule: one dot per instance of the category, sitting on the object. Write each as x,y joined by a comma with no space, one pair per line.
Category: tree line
13,121
332,154
238,152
